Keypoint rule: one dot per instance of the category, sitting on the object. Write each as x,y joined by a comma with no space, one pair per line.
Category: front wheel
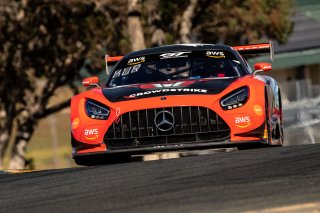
275,137
267,130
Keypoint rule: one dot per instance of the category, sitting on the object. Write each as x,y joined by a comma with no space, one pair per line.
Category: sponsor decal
135,68
117,111
117,73
174,55
258,109
167,85
75,123
138,60
91,134
215,54
177,84
126,71
177,90
242,121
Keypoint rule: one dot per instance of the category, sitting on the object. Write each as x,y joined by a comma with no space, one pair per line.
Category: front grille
192,124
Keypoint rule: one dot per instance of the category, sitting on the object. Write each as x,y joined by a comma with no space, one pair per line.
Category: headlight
235,99
96,110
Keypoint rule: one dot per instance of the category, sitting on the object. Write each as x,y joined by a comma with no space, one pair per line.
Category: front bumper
173,147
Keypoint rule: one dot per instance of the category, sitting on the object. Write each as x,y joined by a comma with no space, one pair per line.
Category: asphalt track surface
222,182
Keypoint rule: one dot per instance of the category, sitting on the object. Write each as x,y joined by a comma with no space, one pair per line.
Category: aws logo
215,54
243,121
91,134
138,60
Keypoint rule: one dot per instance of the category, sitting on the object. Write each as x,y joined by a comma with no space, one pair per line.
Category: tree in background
249,21
44,44
232,22
134,25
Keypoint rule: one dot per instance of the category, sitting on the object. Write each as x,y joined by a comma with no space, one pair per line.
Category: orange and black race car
177,97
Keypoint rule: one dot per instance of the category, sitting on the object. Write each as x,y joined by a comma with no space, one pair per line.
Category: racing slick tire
277,133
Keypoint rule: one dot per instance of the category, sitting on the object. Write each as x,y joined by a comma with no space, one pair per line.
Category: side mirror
91,81
262,67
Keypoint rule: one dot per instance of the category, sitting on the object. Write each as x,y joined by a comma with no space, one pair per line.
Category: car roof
178,47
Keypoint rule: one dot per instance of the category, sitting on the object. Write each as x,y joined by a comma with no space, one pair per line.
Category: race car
177,97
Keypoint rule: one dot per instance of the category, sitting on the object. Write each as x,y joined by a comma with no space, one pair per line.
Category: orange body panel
90,132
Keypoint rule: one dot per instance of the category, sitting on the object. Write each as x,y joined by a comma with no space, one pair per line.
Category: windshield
175,66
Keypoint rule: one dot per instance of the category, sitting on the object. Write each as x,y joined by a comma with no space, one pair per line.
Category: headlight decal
235,99
97,110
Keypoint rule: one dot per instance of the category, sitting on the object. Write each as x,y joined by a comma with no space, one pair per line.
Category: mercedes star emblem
164,120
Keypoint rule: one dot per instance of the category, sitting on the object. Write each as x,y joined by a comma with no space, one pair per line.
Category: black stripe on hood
138,91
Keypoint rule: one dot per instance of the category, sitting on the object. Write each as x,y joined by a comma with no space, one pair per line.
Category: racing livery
177,97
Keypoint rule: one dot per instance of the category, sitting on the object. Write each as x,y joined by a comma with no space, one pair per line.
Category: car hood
165,88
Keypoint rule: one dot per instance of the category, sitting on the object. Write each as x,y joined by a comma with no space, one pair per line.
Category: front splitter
172,147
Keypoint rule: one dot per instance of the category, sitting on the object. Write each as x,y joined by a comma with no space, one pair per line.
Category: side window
237,67
246,64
